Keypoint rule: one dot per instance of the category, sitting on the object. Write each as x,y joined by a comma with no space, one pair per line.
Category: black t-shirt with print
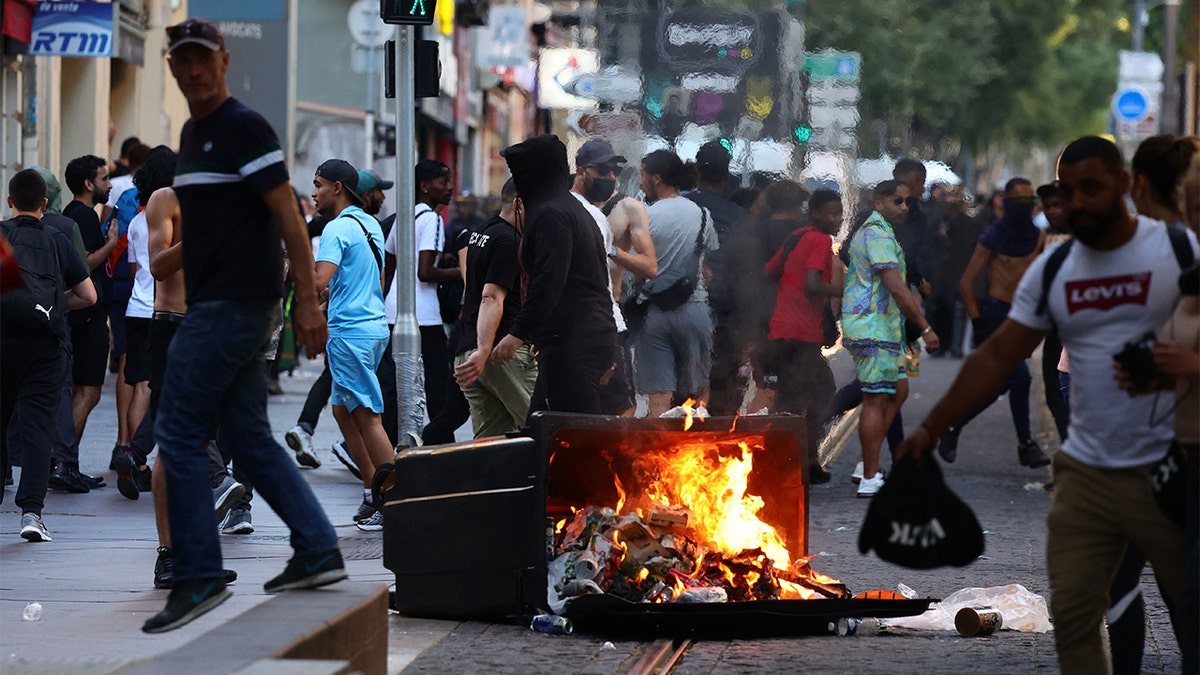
491,259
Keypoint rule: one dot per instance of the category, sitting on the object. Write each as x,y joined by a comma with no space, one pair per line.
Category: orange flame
713,488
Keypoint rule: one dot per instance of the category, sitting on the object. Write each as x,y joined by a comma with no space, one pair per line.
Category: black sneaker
309,571
1030,454
66,477
365,510
818,475
948,448
127,473
144,480
164,570
188,601
117,451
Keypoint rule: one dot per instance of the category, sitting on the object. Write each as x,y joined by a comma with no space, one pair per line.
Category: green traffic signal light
802,133
407,12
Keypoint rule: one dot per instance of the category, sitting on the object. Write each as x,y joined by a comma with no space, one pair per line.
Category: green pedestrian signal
802,133
408,12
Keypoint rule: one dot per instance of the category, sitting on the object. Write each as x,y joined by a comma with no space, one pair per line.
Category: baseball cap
713,153
596,152
340,171
194,31
369,180
1047,191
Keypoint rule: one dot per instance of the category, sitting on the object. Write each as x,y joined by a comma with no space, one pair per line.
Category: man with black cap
236,202
567,310
596,170
350,272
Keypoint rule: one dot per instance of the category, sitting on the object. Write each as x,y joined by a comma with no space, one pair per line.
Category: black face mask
600,189
1018,212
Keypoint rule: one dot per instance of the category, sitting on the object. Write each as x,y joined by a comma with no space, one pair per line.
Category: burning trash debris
691,535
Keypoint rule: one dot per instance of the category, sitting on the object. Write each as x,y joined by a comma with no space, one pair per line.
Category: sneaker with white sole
869,486
225,495
311,570
238,522
300,441
372,524
33,529
365,510
857,476
342,453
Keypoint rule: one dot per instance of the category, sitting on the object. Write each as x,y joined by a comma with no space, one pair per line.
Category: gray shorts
673,352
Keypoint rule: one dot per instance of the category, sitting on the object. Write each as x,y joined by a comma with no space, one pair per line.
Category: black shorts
89,349
137,359
616,395
162,331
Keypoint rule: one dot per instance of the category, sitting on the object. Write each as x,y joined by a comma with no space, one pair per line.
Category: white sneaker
33,529
372,524
300,441
857,476
869,486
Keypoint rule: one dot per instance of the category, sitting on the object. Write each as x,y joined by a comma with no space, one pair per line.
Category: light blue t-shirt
355,299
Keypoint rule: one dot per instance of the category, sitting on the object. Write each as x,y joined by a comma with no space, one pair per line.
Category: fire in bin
692,533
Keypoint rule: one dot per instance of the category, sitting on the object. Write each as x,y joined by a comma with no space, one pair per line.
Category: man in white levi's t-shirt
1117,283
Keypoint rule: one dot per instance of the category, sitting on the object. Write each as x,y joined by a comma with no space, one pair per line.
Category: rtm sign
73,29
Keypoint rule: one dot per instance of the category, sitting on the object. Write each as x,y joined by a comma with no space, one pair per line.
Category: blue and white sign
1131,104
73,29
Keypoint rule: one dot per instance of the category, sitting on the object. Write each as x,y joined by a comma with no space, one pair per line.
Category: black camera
1137,358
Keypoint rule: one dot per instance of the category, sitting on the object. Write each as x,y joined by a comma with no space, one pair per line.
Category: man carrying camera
1117,282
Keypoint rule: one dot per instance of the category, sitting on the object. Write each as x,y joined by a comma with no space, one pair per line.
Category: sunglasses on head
193,30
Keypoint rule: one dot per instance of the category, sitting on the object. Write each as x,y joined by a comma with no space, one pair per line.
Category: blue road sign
1131,104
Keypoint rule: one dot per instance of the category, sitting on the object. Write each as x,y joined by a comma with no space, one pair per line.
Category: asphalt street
94,579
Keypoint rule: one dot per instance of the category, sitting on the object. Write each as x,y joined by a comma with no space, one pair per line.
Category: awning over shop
16,25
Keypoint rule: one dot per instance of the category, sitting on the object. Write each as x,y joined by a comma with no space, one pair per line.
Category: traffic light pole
406,335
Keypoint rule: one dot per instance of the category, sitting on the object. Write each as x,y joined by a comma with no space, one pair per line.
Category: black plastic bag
916,521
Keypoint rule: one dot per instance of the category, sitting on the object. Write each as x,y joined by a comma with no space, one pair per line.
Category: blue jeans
215,373
994,312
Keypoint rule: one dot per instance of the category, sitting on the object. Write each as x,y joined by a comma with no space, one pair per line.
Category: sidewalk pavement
94,579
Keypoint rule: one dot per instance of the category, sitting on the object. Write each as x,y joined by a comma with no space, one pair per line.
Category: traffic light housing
408,12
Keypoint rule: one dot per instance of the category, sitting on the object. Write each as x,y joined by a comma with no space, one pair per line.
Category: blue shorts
879,366
352,363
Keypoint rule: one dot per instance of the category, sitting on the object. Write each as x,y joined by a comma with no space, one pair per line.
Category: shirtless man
165,247
1005,251
625,227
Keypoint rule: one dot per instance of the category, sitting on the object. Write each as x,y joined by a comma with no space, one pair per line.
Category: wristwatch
927,330
612,252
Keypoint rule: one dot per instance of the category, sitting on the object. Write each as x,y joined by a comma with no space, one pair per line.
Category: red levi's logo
1104,294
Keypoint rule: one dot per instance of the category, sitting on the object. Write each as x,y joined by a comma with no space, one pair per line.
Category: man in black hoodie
567,309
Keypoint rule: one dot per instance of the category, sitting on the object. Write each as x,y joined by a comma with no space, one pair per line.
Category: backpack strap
611,203
1184,255
371,242
792,242
1053,264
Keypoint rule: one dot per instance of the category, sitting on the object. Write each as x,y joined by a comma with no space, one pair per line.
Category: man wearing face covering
1006,249
566,313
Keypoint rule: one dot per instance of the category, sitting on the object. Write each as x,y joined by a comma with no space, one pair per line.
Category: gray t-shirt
674,224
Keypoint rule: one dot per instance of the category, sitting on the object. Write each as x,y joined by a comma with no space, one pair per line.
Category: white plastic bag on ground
1022,610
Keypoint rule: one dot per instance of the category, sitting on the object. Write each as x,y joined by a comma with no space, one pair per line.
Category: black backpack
39,305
